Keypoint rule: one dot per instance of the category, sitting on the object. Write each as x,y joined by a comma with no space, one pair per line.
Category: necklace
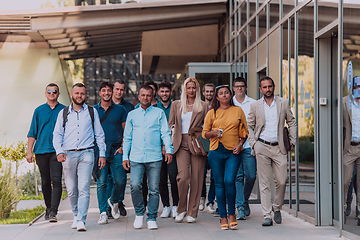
190,105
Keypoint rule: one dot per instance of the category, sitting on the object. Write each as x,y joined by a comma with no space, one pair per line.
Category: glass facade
311,48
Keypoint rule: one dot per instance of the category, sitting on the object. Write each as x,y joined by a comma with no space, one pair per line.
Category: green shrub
27,183
23,216
8,191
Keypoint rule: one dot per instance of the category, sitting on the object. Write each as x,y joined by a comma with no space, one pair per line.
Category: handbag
198,142
286,139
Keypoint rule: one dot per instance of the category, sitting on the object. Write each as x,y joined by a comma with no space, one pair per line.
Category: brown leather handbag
286,139
198,142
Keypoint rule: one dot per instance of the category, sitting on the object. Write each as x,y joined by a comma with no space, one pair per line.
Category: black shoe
122,209
217,213
47,214
108,213
277,217
52,217
267,222
358,222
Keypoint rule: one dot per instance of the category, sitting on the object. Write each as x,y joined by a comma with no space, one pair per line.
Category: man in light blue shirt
146,130
74,136
247,167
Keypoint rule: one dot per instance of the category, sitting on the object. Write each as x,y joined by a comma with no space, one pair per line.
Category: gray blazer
256,122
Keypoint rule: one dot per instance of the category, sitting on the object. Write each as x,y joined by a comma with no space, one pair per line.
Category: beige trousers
190,174
270,159
351,157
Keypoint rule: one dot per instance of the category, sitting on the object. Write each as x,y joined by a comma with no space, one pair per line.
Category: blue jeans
247,168
152,170
77,169
115,169
224,165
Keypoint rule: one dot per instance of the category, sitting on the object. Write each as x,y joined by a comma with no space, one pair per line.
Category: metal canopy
90,31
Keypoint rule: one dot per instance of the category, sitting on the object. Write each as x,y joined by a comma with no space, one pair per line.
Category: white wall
24,74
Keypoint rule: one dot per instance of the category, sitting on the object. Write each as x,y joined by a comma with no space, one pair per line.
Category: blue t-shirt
112,125
42,127
127,105
166,110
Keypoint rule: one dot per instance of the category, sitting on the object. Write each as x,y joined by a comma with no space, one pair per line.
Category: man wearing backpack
112,118
76,129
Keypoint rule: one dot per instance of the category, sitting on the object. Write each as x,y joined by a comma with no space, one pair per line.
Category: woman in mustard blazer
187,113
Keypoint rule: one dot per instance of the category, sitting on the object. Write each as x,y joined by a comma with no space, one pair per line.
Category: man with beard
76,129
167,168
266,122
208,91
41,131
112,118
146,130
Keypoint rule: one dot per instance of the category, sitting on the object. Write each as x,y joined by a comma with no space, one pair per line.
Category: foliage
306,150
77,69
27,184
23,216
8,191
14,153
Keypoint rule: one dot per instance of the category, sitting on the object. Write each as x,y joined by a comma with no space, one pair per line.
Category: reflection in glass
327,12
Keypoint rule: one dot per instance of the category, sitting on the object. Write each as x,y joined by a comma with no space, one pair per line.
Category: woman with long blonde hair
187,114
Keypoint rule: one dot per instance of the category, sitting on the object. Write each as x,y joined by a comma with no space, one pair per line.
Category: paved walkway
207,227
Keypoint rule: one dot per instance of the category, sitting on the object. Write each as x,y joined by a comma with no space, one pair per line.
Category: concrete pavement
206,227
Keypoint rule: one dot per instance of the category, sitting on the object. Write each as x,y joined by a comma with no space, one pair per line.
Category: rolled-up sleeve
128,132
165,133
99,134
58,134
34,126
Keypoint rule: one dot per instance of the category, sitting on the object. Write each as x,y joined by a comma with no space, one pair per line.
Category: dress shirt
245,106
145,130
79,133
355,112
271,122
42,127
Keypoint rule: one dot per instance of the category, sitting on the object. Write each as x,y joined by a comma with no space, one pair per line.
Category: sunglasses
221,86
52,91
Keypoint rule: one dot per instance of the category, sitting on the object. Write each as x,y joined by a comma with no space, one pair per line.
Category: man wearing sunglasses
41,133
247,168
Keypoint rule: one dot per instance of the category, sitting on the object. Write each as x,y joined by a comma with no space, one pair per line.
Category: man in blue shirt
112,117
41,133
146,130
74,139
118,95
170,169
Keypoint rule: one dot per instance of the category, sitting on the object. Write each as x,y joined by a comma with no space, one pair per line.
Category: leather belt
354,143
81,149
268,143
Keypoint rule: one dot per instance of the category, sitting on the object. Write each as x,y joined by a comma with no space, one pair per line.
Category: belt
81,149
354,143
268,143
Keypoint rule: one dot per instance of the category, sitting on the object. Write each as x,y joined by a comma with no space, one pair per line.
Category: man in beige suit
266,121
351,125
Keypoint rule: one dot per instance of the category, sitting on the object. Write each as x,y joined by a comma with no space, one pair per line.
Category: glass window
288,5
274,12
262,22
252,32
327,12
262,55
351,112
274,59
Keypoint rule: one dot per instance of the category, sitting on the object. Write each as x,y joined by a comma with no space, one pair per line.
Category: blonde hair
183,98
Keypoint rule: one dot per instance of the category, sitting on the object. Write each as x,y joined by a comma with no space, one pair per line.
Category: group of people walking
162,139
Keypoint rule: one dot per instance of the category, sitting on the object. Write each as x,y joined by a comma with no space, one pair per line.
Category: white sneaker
190,219
114,209
103,218
211,208
202,204
138,222
166,212
173,211
180,217
81,226
74,224
152,225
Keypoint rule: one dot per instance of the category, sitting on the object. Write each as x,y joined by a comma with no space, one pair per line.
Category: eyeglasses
221,86
239,86
51,91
